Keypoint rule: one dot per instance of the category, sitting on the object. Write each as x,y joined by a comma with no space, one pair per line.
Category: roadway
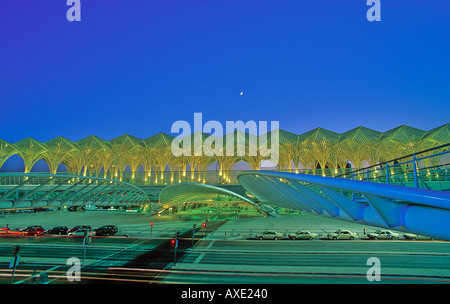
215,259
316,261
234,261
50,255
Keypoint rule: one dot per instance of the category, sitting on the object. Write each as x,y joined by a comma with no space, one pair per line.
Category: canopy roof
187,192
308,150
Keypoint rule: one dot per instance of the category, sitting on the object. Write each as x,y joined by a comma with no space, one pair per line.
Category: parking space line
200,257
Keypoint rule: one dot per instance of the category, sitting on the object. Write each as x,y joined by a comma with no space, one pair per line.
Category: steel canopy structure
415,210
34,190
382,199
195,192
128,171
188,192
144,161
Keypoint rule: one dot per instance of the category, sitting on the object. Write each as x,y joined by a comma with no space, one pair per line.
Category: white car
302,235
412,236
269,235
342,235
81,232
383,235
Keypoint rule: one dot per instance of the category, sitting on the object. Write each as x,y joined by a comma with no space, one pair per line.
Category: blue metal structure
419,211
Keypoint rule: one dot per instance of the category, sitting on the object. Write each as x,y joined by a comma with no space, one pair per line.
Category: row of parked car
80,230
340,234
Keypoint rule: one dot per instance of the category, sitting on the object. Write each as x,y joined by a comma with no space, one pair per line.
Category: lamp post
193,234
86,241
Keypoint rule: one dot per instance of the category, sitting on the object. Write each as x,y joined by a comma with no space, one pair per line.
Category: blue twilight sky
137,66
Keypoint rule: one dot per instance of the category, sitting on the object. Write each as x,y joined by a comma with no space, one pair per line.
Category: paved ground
138,225
228,254
132,224
248,227
255,261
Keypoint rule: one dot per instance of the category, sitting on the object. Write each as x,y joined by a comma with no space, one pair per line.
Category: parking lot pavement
226,246
248,227
50,219
284,261
138,225
130,224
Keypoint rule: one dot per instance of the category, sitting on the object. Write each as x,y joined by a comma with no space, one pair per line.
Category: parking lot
128,224
138,225
250,228
221,248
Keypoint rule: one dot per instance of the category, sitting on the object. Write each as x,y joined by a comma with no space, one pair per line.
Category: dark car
33,230
106,230
79,227
60,230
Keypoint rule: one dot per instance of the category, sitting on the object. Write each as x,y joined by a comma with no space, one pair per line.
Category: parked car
412,236
269,235
383,235
342,235
33,230
302,235
7,231
60,230
107,230
79,227
81,232
4,230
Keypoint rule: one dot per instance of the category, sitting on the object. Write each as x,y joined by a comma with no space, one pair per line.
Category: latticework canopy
317,148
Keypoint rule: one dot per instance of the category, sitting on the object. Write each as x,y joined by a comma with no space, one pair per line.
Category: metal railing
428,169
